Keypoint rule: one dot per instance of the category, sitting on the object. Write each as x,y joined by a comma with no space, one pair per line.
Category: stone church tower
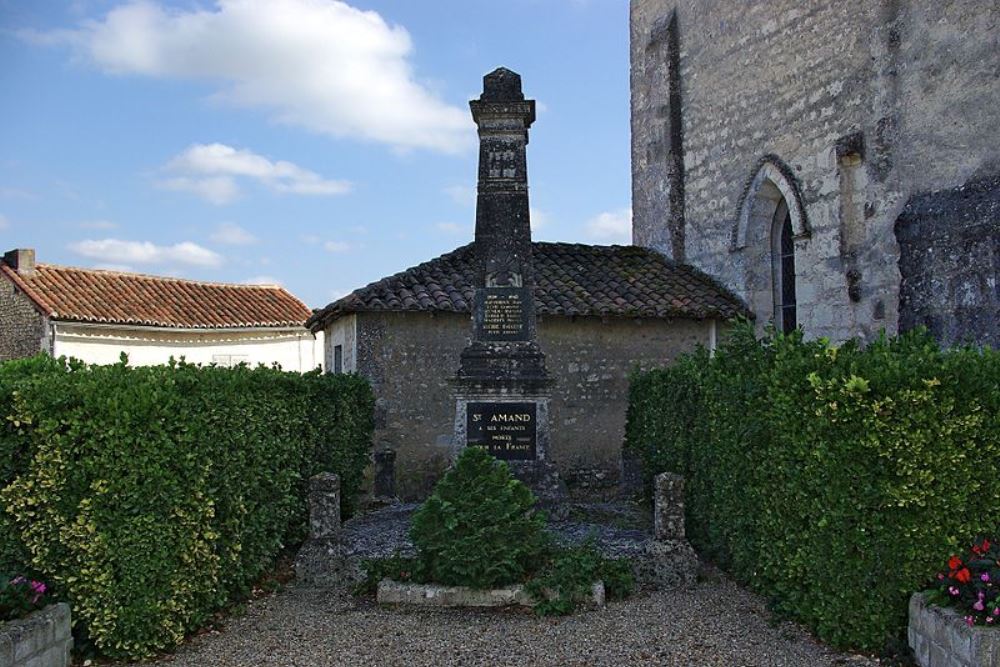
837,164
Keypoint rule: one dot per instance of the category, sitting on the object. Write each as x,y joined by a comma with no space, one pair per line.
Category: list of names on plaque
501,314
505,430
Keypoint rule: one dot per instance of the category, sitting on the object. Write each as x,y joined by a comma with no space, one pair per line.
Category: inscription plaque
500,313
505,430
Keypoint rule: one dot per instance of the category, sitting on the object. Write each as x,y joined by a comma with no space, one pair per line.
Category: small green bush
831,479
568,574
479,528
151,496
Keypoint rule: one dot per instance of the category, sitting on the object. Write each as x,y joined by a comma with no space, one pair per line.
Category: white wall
344,332
294,349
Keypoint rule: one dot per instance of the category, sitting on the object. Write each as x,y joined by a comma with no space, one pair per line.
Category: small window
785,316
338,358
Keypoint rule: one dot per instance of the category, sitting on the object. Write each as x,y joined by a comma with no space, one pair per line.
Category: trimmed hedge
834,480
151,496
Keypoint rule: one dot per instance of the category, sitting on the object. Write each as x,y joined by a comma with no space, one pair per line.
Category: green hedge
151,496
833,480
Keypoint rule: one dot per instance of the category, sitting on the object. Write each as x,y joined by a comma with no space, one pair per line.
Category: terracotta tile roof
89,295
571,279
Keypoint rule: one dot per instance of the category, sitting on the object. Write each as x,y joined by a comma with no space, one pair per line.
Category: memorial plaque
501,313
505,430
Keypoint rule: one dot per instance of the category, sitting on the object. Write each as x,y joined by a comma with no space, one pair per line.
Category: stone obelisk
502,387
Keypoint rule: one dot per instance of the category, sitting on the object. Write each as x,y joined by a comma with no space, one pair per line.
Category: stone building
597,313
96,315
602,311
836,164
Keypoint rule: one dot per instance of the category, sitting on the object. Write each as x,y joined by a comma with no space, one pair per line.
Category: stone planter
434,595
41,639
940,637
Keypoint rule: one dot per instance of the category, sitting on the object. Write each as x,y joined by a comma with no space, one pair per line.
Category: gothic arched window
783,269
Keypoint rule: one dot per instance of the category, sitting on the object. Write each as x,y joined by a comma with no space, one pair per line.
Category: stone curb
41,639
434,595
940,637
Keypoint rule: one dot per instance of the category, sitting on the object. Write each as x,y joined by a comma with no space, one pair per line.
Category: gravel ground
713,623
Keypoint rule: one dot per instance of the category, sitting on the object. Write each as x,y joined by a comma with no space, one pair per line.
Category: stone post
668,507
324,506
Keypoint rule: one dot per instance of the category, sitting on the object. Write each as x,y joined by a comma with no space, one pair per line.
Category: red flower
963,575
954,562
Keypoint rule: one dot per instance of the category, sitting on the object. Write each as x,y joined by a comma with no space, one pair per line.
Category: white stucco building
96,315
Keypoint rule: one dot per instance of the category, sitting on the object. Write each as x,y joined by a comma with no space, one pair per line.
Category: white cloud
262,280
463,195
611,226
210,171
97,224
116,251
229,233
218,190
336,246
320,64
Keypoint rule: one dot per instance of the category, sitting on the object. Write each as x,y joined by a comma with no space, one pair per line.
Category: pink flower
970,621
953,590
979,606
985,576
996,612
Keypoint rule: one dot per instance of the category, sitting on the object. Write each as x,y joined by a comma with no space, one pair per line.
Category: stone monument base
543,479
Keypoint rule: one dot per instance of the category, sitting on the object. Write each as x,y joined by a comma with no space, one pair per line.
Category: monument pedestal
513,427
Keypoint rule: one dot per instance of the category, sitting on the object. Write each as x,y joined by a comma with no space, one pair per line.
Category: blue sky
315,143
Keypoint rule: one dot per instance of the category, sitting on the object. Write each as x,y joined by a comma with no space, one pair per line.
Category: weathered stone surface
668,503
411,357
324,506
434,595
42,639
542,477
24,330
940,637
664,565
866,104
950,263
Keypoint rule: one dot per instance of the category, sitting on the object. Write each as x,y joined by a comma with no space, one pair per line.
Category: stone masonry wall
865,104
23,330
410,359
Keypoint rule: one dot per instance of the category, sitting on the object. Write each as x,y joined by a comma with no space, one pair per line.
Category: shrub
479,527
566,578
151,496
972,584
19,596
828,478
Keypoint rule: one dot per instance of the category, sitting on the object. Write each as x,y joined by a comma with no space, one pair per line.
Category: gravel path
714,623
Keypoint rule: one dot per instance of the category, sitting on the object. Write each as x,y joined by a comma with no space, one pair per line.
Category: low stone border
940,637
41,639
433,595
